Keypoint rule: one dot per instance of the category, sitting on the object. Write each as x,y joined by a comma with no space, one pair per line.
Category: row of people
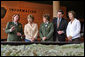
57,30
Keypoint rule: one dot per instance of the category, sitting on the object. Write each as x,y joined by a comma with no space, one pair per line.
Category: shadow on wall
3,12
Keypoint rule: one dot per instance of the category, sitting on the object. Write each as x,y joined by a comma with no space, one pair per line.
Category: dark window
3,12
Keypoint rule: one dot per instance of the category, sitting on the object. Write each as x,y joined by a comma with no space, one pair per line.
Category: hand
12,28
44,38
60,32
32,39
70,38
18,34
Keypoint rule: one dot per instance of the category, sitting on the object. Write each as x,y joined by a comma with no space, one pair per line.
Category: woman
14,29
73,28
30,30
46,29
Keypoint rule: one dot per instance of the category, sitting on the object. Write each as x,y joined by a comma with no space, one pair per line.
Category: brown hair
47,17
60,11
15,15
30,16
73,13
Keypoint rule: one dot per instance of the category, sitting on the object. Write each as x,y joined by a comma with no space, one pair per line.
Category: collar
73,20
60,19
47,22
15,22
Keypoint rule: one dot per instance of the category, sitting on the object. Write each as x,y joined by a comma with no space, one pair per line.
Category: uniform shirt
46,24
73,29
12,35
15,24
30,31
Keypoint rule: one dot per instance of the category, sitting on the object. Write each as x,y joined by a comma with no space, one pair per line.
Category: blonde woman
30,30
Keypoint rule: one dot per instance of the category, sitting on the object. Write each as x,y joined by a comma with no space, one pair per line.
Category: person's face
70,16
30,20
59,15
16,18
44,20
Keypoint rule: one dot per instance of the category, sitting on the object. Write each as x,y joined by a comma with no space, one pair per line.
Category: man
60,25
46,29
14,29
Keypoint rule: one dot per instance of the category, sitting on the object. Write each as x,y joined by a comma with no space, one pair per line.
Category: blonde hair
73,13
30,17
